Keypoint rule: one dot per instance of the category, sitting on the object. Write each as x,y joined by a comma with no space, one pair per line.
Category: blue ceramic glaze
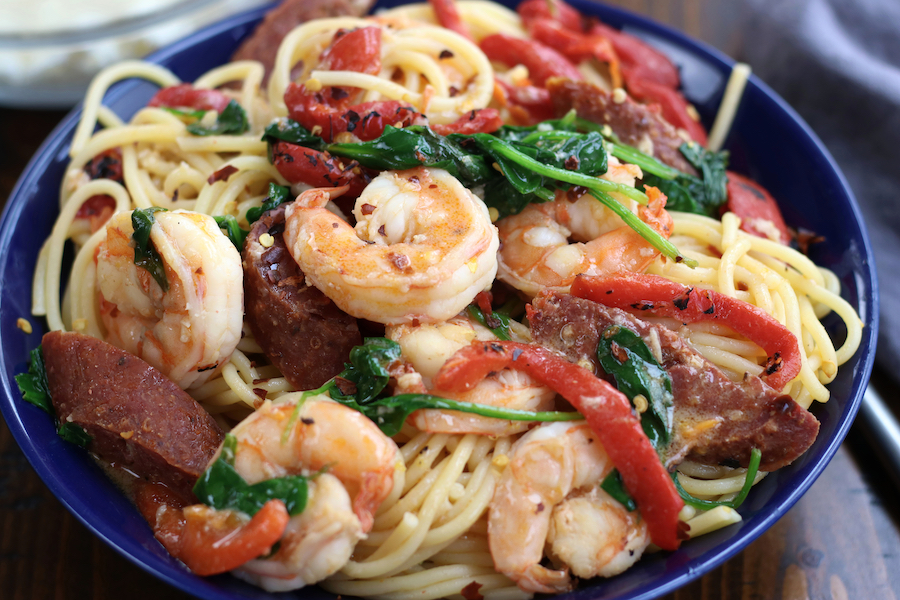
769,142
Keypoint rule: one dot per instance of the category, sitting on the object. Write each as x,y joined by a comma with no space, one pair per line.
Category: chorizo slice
638,125
299,329
136,416
716,420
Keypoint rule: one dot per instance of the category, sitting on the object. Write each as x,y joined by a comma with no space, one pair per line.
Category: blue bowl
768,141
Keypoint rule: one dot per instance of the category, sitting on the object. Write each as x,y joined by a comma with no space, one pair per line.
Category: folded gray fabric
837,62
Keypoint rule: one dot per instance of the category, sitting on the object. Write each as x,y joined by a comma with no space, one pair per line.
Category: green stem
668,249
496,412
752,469
646,162
572,177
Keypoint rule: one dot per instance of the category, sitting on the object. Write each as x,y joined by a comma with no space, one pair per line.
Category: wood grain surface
841,541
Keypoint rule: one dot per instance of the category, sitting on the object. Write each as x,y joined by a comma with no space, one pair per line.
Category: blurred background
837,62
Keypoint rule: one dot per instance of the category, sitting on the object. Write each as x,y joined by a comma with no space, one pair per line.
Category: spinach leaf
222,487
36,390
145,254
499,324
278,195
614,486
231,121
369,369
288,130
189,115
752,470
232,230
74,434
702,195
413,147
33,384
624,355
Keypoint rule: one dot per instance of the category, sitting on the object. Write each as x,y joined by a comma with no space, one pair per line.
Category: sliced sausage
137,417
299,329
637,125
717,420
263,44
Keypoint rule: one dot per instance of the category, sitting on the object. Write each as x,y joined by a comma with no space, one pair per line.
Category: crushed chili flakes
471,591
222,174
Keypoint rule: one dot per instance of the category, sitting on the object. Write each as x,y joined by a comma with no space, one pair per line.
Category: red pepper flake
261,393
773,364
222,174
619,353
346,386
805,239
575,192
572,163
471,591
401,262
445,54
367,209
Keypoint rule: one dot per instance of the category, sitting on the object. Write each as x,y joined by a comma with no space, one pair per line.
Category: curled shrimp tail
319,197
373,489
655,214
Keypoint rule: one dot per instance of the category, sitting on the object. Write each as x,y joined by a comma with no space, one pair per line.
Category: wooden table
841,541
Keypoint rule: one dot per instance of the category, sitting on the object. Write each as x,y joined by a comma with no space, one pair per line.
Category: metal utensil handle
883,431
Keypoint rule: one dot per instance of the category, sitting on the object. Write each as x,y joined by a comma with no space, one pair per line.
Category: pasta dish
446,301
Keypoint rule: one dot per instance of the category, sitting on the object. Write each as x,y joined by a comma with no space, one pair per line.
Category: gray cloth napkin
837,62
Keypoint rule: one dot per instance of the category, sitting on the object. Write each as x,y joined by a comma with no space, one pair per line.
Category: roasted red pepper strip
528,104
448,16
482,120
752,203
674,106
366,121
662,297
576,46
185,96
607,411
542,61
298,164
568,16
357,50
206,540
641,59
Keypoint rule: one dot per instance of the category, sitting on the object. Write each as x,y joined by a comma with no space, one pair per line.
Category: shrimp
189,331
534,505
595,535
536,253
351,466
428,346
281,439
423,247
315,544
